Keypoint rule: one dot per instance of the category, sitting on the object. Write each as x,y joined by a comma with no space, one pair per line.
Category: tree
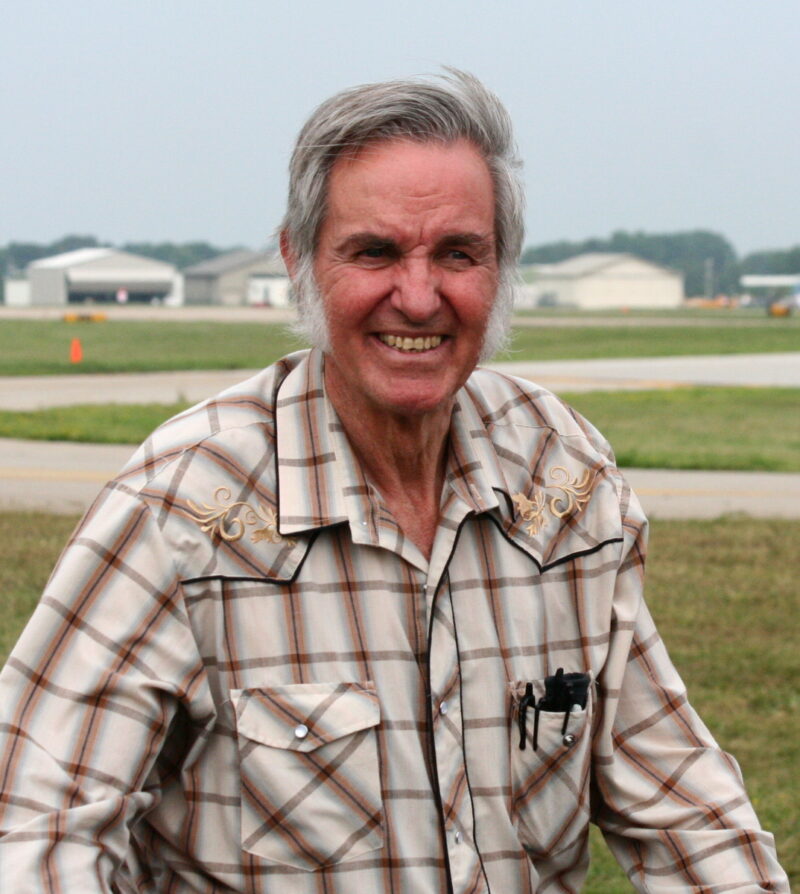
776,261
182,254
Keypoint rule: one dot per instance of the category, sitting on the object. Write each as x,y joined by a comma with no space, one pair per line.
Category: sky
137,120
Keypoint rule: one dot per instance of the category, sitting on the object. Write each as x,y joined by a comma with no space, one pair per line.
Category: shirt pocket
310,775
550,785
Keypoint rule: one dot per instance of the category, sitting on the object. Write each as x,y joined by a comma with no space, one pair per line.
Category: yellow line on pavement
55,475
601,382
16,474
693,492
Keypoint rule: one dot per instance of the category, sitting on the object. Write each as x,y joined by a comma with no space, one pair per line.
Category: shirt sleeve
670,802
105,664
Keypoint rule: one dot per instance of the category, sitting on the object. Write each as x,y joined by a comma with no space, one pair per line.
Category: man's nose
416,291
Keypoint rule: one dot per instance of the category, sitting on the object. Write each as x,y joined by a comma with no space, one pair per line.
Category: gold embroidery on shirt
531,511
574,494
230,521
573,497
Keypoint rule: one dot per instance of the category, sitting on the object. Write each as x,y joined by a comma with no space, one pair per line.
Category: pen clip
527,700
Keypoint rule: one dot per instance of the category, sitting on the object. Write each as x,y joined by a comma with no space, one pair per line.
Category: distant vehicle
782,307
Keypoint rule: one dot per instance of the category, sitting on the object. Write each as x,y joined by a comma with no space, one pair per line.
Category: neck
404,456
401,454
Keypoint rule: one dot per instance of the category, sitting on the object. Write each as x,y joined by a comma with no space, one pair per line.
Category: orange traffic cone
75,351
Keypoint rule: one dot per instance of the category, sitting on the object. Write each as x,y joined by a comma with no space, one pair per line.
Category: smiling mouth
411,345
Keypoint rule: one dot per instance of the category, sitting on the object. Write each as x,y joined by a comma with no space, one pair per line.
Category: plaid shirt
243,677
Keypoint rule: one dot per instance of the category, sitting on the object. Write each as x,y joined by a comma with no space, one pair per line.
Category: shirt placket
466,871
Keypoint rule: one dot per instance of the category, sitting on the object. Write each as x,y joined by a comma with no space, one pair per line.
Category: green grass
91,423
595,342
724,595
746,429
42,347
725,598
29,544
749,429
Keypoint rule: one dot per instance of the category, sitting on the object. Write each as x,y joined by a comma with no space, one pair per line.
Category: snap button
568,740
301,731
457,837
443,708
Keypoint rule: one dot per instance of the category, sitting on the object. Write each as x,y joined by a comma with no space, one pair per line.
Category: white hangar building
238,278
601,281
99,276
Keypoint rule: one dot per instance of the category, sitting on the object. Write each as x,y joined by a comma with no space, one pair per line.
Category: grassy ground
684,428
591,342
91,423
29,544
42,347
725,599
746,429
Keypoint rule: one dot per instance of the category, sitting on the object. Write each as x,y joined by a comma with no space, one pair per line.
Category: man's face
407,269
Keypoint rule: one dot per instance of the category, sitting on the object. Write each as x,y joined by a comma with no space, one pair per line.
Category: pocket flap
303,716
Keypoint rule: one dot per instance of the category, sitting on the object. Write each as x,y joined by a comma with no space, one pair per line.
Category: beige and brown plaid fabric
243,678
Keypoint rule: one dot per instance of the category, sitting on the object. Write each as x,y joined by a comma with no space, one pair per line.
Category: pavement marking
583,383
102,477
692,492
55,475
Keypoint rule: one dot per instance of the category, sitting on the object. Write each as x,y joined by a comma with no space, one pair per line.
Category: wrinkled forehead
423,177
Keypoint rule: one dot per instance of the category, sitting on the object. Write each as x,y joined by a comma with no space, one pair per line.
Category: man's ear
288,254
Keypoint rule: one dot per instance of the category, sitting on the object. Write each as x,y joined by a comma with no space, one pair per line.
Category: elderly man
372,620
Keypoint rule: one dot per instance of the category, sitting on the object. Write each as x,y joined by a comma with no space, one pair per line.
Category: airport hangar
601,281
94,276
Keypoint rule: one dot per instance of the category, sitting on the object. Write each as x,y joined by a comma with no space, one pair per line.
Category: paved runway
36,392
64,477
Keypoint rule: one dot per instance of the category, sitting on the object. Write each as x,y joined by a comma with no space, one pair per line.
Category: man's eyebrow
374,240
359,240
467,239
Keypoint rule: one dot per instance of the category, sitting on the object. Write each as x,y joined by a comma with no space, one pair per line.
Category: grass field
683,339
42,347
91,423
751,429
725,598
743,429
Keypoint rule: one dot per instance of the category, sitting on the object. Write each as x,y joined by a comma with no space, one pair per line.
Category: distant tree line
787,261
707,260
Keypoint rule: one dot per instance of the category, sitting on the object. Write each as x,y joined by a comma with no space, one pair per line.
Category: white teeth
405,343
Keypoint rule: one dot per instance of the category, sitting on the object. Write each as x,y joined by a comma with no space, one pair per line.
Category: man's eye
457,256
375,252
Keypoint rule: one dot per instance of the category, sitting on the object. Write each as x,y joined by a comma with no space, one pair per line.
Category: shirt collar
310,480
473,470
320,481
552,494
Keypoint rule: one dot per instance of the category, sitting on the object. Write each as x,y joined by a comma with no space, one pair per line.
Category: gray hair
446,108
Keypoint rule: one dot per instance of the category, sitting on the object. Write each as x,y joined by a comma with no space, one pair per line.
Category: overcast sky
173,120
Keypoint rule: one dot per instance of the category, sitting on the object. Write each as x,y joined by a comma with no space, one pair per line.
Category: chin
415,404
